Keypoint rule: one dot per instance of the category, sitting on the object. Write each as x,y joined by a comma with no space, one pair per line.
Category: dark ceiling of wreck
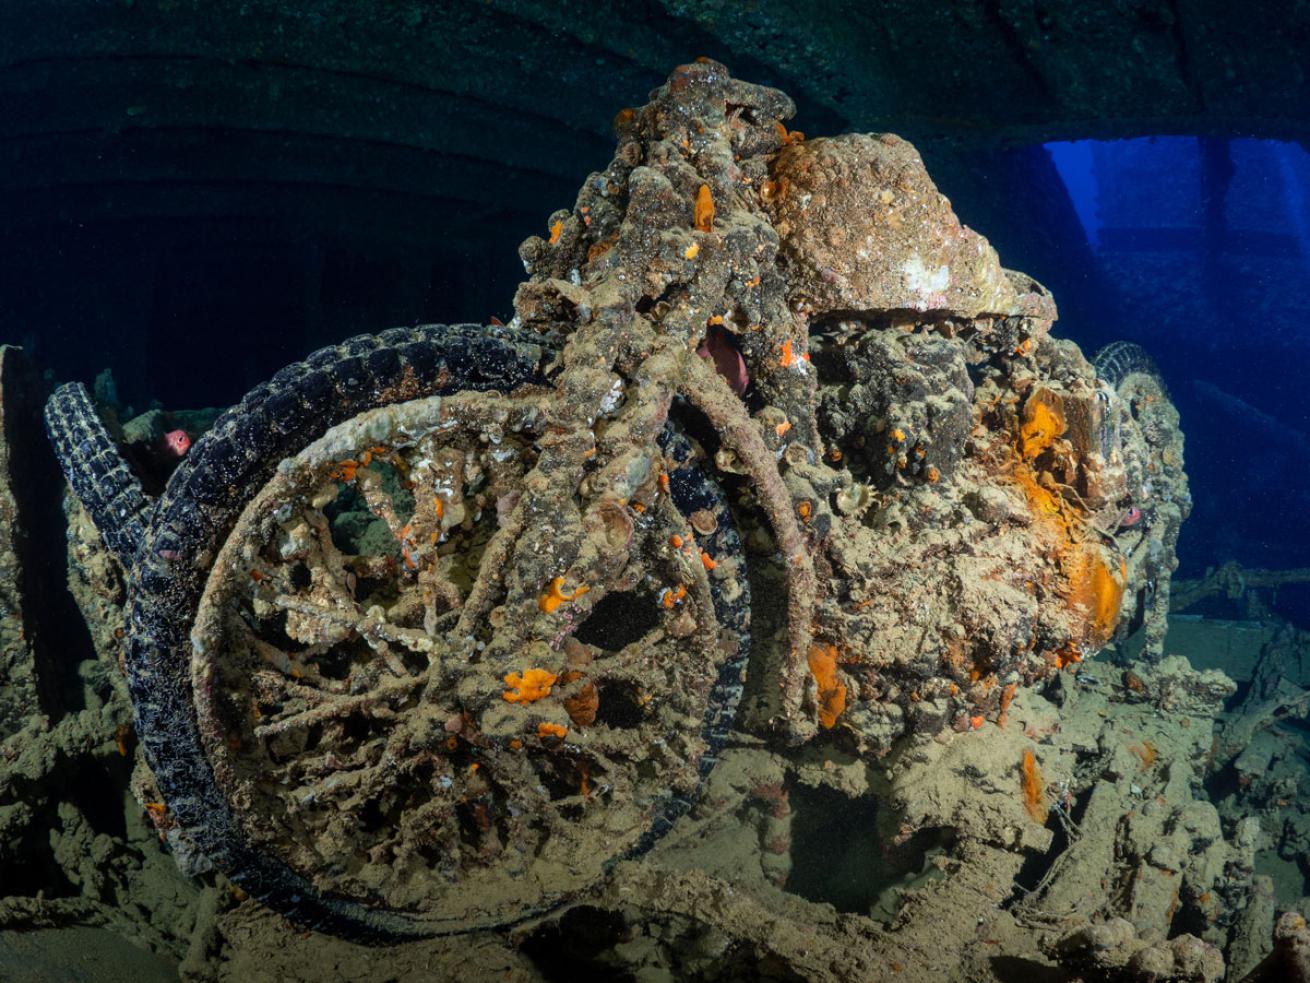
376,161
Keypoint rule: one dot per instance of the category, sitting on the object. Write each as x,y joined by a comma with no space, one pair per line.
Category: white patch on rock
922,280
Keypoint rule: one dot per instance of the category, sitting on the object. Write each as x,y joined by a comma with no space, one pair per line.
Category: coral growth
1090,586
941,484
583,703
1145,752
703,215
831,697
1095,590
1043,422
529,686
1034,789
555,595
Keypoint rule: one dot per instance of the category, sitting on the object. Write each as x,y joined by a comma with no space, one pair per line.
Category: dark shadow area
1222,783
569,948
195,313
618,619
1015,969
837,855
1037,865
620,704
54,626
579,946
1190,920
97,792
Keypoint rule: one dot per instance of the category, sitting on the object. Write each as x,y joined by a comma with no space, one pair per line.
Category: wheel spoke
411,704
326,707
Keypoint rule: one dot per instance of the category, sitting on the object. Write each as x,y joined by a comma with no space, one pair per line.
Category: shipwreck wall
284,175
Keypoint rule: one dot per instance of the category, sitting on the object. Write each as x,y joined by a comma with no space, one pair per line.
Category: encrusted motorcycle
433,628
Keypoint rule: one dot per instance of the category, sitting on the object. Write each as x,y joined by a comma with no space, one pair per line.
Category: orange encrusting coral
1034,790
529,686
1090,586
788,356
1007,697
555,595
703,215
1043,503
1065,656
1095,589
1145,753
671,597
551,730
788,138
345,470
832,692
1043,422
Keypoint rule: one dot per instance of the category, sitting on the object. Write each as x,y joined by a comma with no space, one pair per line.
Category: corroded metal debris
960,505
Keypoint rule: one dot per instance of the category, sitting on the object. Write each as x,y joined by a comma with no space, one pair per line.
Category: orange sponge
1095,589
703,214
832,692
1034,789
1043,421
529,686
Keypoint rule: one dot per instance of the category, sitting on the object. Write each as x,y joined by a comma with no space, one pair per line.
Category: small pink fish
726,358
1131,518
177,442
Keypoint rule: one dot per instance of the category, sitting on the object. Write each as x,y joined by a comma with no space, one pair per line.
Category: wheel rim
377,755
